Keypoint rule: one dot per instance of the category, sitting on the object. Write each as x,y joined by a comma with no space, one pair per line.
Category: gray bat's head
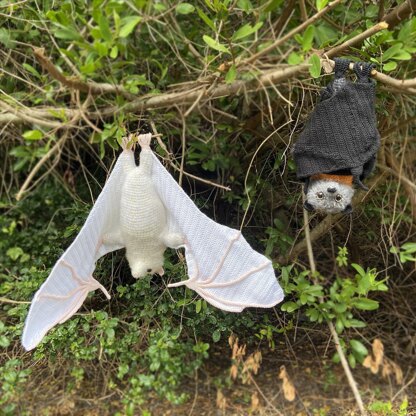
329,196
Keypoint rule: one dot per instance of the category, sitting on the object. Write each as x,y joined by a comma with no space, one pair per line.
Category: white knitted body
142,220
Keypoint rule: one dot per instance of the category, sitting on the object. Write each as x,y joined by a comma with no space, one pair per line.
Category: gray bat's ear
348,209
308,206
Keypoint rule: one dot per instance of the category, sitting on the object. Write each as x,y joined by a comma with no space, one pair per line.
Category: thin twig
336,51
38,165
334,334
292,33
6,300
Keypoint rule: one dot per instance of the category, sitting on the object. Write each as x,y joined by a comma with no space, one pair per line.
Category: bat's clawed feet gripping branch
144,140
127,143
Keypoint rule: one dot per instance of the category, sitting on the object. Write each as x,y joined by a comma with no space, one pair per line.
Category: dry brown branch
77,84
385,79
12,113
292,33
356,39
399,13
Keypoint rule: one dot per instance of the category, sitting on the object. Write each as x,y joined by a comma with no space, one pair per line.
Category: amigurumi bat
337,149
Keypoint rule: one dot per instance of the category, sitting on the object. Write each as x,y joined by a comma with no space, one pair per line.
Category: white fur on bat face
329,196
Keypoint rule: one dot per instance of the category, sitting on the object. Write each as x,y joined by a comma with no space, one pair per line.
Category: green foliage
338,299
380,408
407,252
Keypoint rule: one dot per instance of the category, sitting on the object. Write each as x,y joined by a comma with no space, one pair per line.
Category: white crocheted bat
145,210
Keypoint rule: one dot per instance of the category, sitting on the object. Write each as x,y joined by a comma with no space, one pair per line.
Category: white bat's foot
144,140
173,240
127,143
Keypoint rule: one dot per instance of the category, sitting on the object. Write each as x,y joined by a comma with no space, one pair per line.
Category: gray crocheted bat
337,149
144,210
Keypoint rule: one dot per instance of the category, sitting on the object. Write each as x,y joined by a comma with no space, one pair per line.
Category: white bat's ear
161,271
308,206
348,209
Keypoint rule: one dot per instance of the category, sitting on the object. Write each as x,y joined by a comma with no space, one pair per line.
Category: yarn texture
341,134
145,210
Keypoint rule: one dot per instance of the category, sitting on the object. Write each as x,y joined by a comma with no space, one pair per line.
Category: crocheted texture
341,133
145,210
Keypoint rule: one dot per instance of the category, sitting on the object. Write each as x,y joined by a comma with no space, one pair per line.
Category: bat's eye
149,270
338,198
320,195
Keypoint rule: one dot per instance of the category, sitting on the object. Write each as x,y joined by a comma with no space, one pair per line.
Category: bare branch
77,84
356,39
292,33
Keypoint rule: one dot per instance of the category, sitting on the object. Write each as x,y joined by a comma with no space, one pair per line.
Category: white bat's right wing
70,281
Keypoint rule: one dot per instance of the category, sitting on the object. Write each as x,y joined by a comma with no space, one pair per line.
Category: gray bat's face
329,196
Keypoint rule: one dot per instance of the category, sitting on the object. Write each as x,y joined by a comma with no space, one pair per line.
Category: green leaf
289,307
359,347
307,39
216,335
14,253
352,361
105,28
114,52
4,341
184,8
402,55
392,51
231,74
67,33
294,59
128,25
215,45
6,39
32,135
245,5
246,30
409,247
315,68
32,70
320,4
198,306
359,269
206,19
390,66
364,304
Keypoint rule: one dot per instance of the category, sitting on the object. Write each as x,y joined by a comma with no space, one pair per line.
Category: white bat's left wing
222,266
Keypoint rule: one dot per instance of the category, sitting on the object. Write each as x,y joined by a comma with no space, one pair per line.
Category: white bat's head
329,196
142,267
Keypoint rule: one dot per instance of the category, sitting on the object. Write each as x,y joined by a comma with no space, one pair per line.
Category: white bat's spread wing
222,267
70,281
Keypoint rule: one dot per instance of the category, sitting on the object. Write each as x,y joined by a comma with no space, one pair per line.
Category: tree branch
356,39
292,33
399,13
74,83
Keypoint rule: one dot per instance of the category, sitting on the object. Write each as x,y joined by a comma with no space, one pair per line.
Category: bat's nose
332,190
